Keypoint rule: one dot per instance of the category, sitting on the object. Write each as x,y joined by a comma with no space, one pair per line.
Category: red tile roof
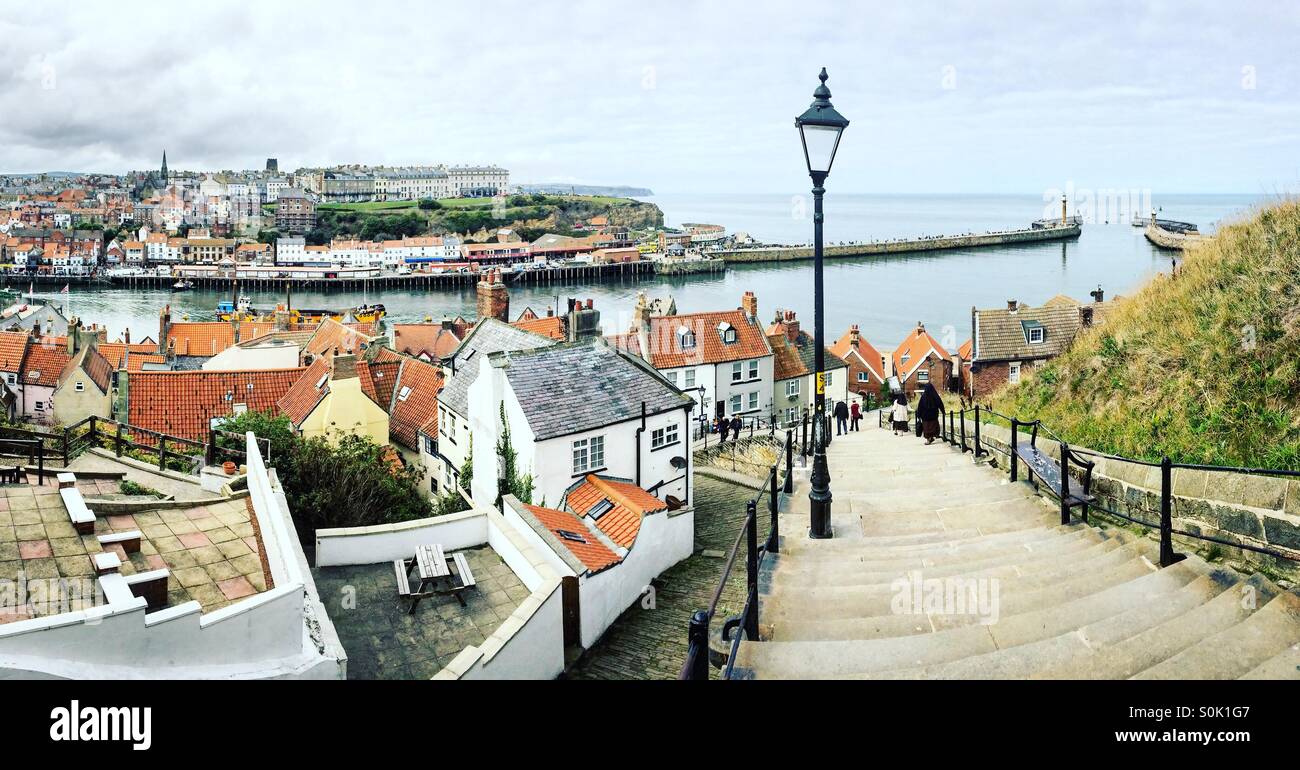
377,382
630,503
667,334
593,554
183,403
141,353
12,347
334,336
98,369
429,341
551,326
415,402
200,338
45,361
864,351
966,349
917,346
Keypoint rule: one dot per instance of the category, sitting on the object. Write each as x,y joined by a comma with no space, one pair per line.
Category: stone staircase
940,568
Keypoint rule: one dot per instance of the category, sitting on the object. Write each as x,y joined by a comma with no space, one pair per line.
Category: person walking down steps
898,415
928,410
841,418
855,416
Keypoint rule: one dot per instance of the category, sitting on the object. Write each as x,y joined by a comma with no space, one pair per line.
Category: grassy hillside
1203,366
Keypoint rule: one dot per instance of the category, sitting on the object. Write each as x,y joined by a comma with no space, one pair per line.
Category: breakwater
979,240
1173,240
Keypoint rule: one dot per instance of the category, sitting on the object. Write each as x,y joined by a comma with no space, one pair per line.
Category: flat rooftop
211,550
383,642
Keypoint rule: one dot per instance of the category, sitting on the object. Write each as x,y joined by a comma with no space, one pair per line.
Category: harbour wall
793,253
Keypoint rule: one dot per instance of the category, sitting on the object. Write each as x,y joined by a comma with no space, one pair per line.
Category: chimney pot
1012,305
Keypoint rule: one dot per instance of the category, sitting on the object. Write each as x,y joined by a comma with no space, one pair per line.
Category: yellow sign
821,383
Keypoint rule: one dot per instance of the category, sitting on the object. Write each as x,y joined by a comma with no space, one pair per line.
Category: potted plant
229,467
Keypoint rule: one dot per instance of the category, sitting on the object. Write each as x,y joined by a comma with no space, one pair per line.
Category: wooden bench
464,577
150,586
130,541
13,474
1048,470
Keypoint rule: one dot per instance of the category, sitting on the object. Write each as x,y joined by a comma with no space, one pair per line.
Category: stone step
1284,665
1023,628
1112,655
846,568
1271,630
829,602
877,544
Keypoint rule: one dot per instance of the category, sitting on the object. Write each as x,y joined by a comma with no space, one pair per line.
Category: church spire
164,168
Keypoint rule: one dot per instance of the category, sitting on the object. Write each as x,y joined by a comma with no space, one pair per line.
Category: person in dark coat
855,416
723,425
736,425
841,418
928,410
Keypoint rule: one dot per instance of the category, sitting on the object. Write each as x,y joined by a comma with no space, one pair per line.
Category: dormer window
685,338
1037,334
727,332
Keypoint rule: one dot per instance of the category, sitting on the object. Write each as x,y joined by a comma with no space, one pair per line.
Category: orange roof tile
864,351
12,347
593,554
415,402
630,502
141,353
200,338
334,336
966,349
184,403
44,363
916,347
551,326
667,334
430,341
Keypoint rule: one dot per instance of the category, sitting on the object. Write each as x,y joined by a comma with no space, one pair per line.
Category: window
690,378
40,407
662,437
79,387
753,369
1037,334
1013,373
670,434
753,400
737,372
686,338
448,479
735,403
862,377
922,375
828,378
671,377
430,446
404,393
588,454
792,387
792,414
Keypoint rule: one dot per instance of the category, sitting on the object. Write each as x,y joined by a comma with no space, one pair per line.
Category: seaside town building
295,213
794,368
866,373
920,360
1008,342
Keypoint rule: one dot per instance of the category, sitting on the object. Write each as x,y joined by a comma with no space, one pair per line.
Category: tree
429,204
511,483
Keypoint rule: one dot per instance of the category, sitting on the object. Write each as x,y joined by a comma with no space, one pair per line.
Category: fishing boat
241,310
182,285
361,314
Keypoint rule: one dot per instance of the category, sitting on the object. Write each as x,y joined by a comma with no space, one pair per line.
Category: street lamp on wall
820,128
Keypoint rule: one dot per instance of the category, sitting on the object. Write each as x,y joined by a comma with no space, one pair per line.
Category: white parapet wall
282,632
527,645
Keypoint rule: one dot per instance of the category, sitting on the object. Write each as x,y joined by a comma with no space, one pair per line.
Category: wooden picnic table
431,564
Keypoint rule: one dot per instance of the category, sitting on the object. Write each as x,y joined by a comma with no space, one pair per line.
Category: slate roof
98,369
1002,335
665,339
566,389
799,359
487,337
182,403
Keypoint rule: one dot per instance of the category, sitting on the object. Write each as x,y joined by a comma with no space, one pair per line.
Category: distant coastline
615,191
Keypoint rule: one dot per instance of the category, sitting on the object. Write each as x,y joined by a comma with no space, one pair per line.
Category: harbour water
885,296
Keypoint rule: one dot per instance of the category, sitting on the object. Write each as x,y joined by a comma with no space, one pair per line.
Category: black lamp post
820,128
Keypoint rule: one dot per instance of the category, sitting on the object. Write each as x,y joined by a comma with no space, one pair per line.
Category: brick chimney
1013,305
164,326
1098,295
345,367
920,329
854,335
493,298
791,326
749,303
126,336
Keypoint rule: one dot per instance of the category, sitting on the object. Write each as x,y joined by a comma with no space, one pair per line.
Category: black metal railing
1074,457
745,624
166,451
707,434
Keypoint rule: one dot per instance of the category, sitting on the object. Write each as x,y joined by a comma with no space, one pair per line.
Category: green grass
1204,367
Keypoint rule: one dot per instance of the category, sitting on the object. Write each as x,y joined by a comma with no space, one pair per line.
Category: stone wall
749,456
786,254
1257,510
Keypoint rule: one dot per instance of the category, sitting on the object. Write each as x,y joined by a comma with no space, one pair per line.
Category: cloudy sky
676,96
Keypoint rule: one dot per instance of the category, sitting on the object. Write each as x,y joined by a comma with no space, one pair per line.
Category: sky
680,97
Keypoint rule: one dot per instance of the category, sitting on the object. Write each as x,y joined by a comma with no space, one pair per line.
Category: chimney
1085,316
493,299
74,335
126,336
1012,305
749,303
446,322
854,335
164,326
1098,295
583,321
345,367
920,328
791,326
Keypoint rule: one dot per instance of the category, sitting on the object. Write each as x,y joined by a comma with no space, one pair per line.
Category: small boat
359,314
241,310
182,285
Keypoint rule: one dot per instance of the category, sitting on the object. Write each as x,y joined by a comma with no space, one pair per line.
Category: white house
721,358
578,409
795,370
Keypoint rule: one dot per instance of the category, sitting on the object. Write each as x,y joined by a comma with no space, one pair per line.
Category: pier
790,253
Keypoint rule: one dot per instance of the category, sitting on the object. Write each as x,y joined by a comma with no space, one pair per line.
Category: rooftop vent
571,536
